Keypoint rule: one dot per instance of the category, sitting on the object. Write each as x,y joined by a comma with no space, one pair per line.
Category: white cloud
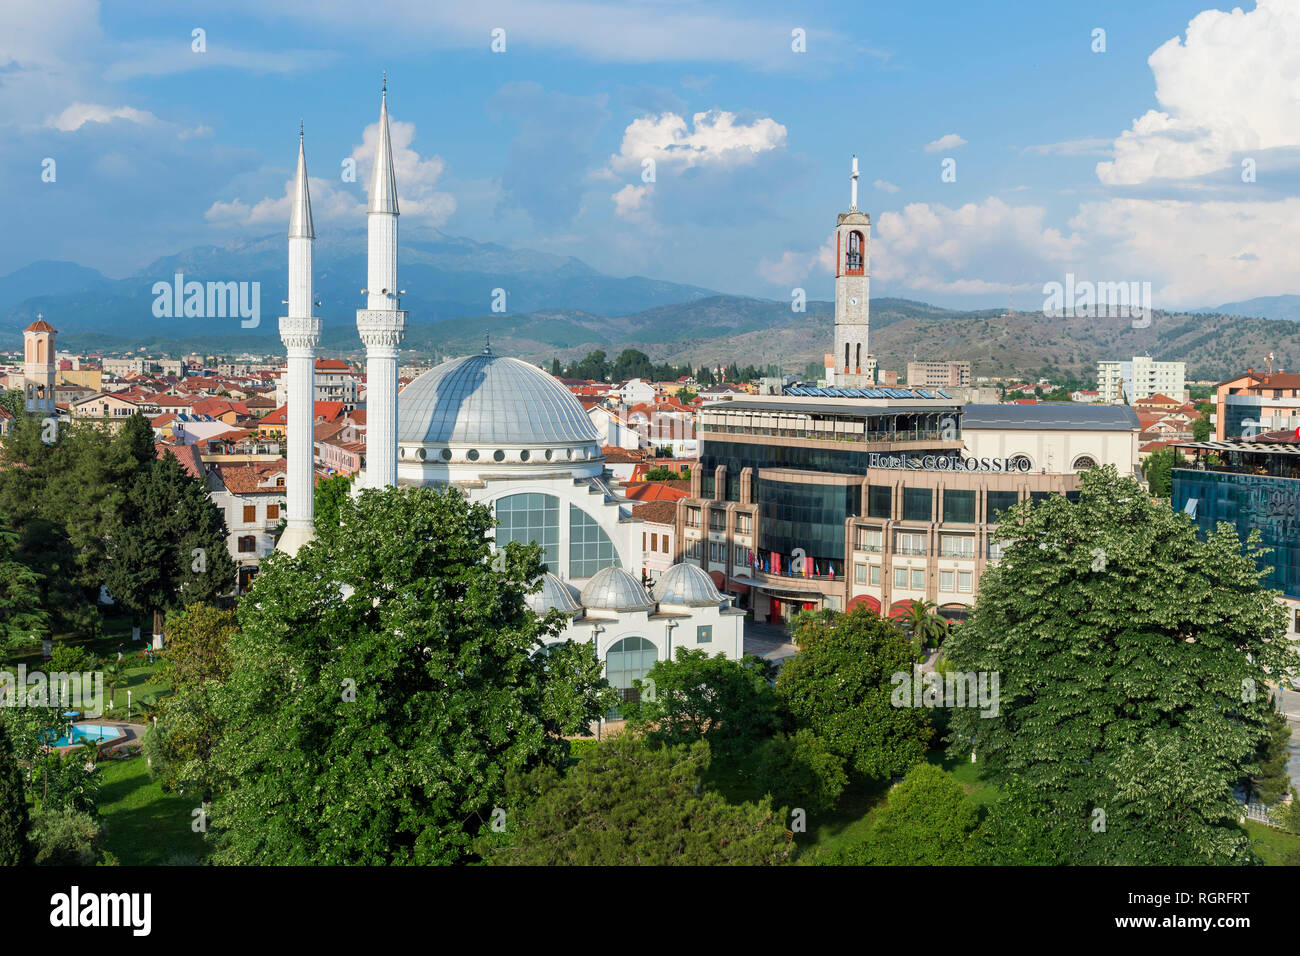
715,138
1086,146
629,203
79,114
1229,88
948,141
793,267
885,185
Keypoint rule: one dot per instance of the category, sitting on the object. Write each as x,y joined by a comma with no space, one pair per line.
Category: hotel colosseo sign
1017,465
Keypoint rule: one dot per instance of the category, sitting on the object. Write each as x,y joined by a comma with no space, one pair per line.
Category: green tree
15,849
328,498
928,821
1127,650
924,625
1271,782
840,684
1017,832
799,770
1158,470
66,837
628,804
23,621
197,664
556,370
384,681
11,399
1201,428
697,697
664,473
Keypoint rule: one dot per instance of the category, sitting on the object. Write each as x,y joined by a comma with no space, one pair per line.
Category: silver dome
491,400
614,589
556,594
686,584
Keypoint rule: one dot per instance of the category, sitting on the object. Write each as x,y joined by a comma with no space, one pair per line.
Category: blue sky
158,147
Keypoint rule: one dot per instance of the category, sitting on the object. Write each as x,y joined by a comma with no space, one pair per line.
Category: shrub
801,771
66,838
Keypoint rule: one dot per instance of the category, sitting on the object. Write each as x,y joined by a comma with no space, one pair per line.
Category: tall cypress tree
14,823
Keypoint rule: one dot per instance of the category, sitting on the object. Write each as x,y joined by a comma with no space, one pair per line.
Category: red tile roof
187,455
657,490
660,512
40,325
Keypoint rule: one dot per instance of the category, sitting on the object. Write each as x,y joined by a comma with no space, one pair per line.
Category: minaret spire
382,323
300,333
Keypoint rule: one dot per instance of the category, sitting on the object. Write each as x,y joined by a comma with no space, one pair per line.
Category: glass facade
1248,502
918,504
998,501
532,518
628,660
590,549
737,455
879,501
810,517
959,505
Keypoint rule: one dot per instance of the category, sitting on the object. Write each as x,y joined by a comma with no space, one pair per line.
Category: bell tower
38,366
854,366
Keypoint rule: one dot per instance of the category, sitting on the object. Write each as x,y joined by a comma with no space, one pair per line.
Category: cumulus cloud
885,185
713,138
1086,146
79,114
948,141
1228,88
793,267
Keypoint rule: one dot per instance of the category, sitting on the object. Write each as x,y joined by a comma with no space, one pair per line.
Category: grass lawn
144,826
1271,844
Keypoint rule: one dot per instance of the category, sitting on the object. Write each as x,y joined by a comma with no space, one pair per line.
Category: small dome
686,584
614,589
556,594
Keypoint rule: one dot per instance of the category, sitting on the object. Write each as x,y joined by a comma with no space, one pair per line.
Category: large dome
490,400
554,593
686,584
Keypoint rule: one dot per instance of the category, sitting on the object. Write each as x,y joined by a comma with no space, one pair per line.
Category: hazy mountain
46,277
1264,307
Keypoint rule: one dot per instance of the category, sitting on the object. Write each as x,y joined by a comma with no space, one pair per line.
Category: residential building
1253,403
938,374
1140,377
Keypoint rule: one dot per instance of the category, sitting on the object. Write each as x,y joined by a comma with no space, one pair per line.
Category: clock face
853,300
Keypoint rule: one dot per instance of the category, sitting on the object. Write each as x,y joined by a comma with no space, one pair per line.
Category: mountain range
560,307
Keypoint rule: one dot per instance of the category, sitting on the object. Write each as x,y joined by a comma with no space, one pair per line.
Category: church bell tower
854,366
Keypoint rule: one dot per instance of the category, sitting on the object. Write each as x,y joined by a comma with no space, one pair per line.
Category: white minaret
381,323
854,366
300,333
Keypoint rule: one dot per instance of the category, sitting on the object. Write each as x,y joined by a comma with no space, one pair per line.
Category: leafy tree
15,848
23,621
697,697
628,804
801,771
686,396
1158,470
328,497
67,781
556,370
632,364
839,686
70,658
66,837
928,821
384,681
12,401
923,623
1126,703
1271,783
167,546
1201,428
198,663
1016,832
664,473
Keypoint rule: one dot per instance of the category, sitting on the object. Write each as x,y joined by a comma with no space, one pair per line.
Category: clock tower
853,364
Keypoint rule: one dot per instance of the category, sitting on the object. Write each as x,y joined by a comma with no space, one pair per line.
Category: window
739,558
998,501
860,573
909,543
629,660
532,518
692,517
272,512
744,524
956,546
963,581
704,634
945,580
250,514
879,501
247,544
869,539
717,520
918,579
590,549
717,552
959,505
642,540
997,549
875,575
654,542
917,504
1084,462
693,549
900,577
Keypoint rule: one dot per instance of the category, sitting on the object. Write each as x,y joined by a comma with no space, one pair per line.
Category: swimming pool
81,733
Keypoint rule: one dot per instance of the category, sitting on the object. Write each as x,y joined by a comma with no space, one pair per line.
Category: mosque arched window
531,518
498,455
629,660
472,454
1084,462
590,549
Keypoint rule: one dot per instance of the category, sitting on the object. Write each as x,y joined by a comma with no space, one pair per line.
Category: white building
637,392
1056,437
613,427
1139,378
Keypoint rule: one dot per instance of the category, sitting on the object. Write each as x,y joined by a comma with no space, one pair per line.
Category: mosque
507,434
